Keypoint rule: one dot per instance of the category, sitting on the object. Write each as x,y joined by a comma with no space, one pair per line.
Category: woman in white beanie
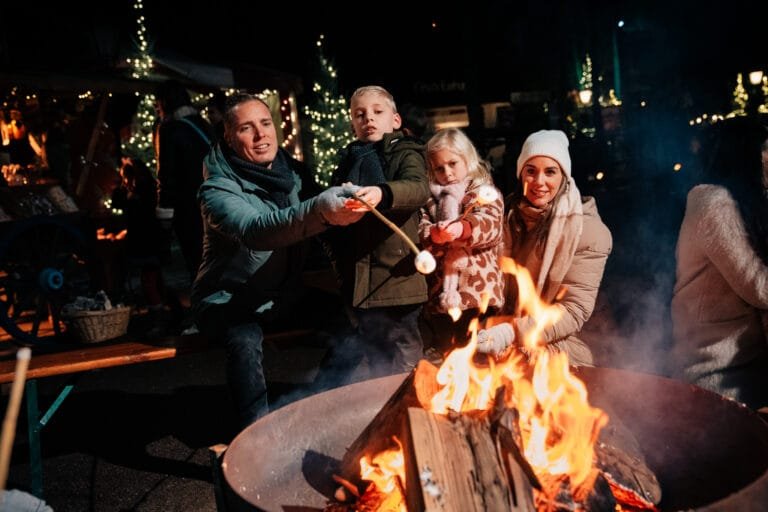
559,237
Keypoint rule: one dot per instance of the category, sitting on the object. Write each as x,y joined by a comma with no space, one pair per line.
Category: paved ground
137,437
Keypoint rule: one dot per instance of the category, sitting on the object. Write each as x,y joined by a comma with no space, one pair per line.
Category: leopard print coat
482,275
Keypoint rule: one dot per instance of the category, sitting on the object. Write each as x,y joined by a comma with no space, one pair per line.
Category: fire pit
708,453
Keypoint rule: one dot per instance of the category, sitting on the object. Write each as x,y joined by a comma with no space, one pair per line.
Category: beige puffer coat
582,281
720,291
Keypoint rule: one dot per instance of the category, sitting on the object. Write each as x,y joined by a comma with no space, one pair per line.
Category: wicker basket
95,326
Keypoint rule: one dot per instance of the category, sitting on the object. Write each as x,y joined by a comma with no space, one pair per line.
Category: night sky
666,48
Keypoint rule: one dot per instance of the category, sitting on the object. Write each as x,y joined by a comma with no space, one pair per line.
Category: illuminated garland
139,145
585,82
740,98
329,121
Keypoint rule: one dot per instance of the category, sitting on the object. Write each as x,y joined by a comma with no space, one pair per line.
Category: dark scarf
365,168
277,180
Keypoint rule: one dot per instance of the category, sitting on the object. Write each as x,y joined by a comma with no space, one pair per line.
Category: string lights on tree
139,144
329,120
585,82
740,98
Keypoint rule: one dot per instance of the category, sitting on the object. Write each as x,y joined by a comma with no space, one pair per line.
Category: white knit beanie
551,143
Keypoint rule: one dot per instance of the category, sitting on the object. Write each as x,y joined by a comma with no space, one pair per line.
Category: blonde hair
455,141
374,89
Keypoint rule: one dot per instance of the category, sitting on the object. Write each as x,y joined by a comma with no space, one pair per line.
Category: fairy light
329,120
740,98
139,144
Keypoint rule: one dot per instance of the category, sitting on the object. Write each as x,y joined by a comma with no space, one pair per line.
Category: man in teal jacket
254,223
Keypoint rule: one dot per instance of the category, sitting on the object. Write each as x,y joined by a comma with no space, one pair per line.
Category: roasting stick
425,262
394,227
486,194
12,412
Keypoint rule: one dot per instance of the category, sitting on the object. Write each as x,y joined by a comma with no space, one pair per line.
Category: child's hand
443,234
371,195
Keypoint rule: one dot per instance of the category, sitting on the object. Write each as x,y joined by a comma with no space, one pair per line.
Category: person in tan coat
720,297
557,235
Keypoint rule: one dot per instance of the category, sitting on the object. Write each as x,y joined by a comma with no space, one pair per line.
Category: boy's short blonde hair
374,89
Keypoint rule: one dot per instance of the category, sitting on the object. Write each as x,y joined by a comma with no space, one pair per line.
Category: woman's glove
330,204
495,340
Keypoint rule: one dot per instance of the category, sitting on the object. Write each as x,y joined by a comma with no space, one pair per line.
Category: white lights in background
585,96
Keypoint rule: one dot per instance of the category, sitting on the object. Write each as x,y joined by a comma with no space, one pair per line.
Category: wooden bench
76,359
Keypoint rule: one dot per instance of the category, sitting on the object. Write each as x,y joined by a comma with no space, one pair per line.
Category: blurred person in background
145,245
182,139
720,301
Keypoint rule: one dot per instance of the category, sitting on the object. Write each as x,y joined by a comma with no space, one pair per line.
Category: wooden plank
118,353
416,391
96,356
453,466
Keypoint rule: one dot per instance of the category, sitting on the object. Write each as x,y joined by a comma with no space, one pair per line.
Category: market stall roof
74,82
193,73
241,76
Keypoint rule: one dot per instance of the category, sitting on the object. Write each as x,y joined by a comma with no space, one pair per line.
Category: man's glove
495,340
330,204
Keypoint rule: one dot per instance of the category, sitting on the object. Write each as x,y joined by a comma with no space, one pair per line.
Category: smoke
631,326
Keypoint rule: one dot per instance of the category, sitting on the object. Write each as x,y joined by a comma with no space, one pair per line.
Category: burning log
453,463
416,391
623,465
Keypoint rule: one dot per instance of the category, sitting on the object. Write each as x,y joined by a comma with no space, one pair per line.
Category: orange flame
386,472
558,426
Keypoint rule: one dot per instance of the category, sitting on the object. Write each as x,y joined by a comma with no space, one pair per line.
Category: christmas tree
139,145
740,98
329,120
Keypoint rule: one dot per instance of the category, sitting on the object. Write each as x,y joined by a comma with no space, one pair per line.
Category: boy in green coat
378,278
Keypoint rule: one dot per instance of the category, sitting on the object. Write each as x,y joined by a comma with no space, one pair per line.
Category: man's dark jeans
238,331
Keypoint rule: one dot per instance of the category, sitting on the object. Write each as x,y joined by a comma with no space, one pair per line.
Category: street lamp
755,77
585,96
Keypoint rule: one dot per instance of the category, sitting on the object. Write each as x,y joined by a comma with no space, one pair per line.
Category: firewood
454,464
416,390
505,427
620,459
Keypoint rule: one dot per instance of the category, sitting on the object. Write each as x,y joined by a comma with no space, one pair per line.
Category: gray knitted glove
330,204
349,189
495,340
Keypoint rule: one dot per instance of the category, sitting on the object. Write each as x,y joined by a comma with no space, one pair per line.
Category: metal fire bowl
708,453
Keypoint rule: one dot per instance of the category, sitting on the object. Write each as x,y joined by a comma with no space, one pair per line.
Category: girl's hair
139,179
455,141
735,162
374,89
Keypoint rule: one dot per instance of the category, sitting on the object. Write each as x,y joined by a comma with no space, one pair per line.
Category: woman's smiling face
542,178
